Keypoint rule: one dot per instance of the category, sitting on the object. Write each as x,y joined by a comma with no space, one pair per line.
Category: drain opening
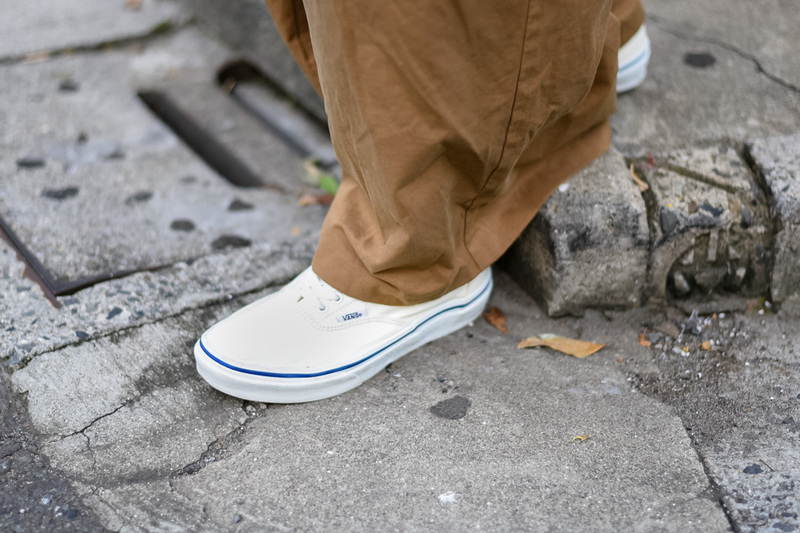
300,130
205,145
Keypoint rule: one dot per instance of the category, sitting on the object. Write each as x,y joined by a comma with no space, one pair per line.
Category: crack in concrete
719,492
165,27
215,450
697,176
664,26
93,422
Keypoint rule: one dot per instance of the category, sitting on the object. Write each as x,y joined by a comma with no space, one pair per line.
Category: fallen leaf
497,318
565,345
315,199
295,231
643,341
706,345
328,184
133,4
639,183
579,438
686,349
37,57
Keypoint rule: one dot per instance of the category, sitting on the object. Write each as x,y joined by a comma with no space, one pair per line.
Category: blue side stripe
339,369
634,61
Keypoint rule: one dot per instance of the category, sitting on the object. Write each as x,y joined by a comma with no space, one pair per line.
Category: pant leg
290,18
453,122
630,14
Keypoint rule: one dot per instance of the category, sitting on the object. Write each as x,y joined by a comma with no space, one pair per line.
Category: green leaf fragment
328,184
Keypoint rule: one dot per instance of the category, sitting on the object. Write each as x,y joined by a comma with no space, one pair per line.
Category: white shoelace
317,289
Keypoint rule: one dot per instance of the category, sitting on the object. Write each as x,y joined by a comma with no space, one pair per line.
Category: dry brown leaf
643,341
573,347
497,318
133,4
706,345
579,438
639,183
37,57
315,199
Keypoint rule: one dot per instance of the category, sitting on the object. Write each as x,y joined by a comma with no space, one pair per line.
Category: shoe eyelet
322,308
338,297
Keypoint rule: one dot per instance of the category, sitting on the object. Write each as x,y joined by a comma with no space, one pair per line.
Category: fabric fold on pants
453,122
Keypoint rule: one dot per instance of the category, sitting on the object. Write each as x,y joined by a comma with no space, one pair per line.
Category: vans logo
350,316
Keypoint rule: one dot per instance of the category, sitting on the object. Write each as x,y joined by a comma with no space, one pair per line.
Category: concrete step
96,186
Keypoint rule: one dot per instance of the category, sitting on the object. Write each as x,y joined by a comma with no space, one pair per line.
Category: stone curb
710,222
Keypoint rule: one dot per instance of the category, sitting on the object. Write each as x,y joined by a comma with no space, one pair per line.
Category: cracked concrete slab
680,105
112,188
772,41
31,325
378,456
51,25
150,403
384,459
740,402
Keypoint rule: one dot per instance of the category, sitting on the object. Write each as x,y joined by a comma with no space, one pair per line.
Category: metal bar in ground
202,143
34,269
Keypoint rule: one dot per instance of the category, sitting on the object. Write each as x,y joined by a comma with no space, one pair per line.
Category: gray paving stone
770,40
710,222
739,402
175,456
588,246
679,105
31,325
778,162
51,25
118,191
120,438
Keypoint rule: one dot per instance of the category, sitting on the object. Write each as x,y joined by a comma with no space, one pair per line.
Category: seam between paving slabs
776,223
133,327
163,28
717,492
664,26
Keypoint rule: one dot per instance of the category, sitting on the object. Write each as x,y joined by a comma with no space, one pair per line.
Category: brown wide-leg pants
453,121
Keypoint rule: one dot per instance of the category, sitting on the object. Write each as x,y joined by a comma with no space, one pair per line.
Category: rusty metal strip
34,269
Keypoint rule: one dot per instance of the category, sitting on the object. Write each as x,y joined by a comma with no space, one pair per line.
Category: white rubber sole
259,388
634,56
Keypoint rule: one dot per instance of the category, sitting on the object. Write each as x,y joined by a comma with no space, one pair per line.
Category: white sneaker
633,58
308,341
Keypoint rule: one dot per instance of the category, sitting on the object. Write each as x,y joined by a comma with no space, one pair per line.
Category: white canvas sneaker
633,59
308,341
